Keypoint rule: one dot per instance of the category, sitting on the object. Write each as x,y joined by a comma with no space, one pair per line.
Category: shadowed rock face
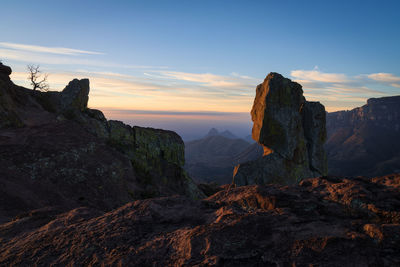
314,121
320,222
5,70
292,132
54,150
365,140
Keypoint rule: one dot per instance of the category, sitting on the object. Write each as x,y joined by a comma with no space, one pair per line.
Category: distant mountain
212,158
212,132
366,140
226,133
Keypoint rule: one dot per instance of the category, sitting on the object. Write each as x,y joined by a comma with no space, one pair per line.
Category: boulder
291,131
8,106
75,95
276,115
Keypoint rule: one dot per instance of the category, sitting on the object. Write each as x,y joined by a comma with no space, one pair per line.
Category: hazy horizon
189,125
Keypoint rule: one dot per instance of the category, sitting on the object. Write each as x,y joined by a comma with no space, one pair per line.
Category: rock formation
8,116
292,132
56,151
5,71
365,140
326,221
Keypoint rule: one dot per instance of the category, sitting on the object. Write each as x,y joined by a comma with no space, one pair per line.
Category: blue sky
205,57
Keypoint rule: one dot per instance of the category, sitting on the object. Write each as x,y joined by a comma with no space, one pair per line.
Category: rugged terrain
365,140
326,221
78,190
54,150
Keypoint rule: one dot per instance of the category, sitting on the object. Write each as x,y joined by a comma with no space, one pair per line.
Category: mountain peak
212,132
226,133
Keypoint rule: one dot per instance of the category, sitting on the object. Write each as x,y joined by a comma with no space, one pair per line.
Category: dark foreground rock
325,221
292,132
54,150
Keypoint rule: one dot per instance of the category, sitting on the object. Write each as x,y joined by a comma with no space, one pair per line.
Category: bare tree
37,79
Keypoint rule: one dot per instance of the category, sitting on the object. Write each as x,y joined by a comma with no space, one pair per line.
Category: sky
192,65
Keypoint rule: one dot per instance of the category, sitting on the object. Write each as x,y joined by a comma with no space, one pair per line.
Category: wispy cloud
47,49
113,89
341,91
233,81
159,88
60,56
386,78
52,59
318,76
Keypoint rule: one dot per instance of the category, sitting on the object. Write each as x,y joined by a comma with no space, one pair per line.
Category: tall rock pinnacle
292,132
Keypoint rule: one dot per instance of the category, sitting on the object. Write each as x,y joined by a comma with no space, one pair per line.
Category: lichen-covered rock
276,115
95,122
157,156
61,165
291,131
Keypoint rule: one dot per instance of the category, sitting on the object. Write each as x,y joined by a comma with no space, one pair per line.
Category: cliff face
56,151
292,132
365,140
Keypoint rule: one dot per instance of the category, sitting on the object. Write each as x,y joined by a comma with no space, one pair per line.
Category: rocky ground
325,221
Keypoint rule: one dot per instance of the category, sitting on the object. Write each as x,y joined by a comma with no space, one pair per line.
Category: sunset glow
158,69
